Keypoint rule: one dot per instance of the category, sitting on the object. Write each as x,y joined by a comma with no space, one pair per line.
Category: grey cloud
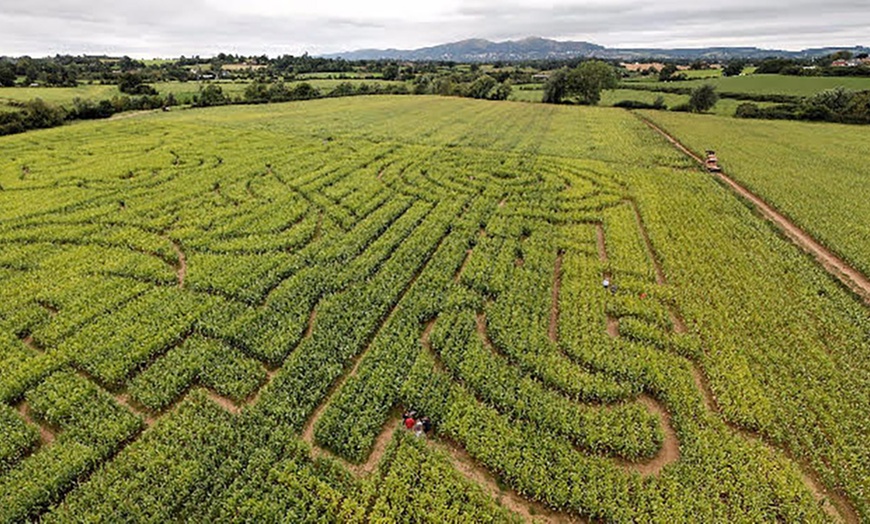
172,28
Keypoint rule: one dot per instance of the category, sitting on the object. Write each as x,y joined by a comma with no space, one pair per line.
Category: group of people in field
419,424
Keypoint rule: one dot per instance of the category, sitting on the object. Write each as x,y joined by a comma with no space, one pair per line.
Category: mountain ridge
538,48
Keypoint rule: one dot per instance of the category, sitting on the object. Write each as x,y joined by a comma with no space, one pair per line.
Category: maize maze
218,315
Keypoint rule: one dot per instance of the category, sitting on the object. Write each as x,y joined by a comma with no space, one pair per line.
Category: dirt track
833,264
181,267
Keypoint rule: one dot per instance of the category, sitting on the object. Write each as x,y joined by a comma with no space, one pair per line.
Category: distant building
543,77
846,63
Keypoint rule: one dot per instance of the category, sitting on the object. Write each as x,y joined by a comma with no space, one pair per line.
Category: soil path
613,326
602,244
833,264
46,436
125,401
30,343
393,424
223,402
670,451
553,330
181,266
312,318
469,468
308,429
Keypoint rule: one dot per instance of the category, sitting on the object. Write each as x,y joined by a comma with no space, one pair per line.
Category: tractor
712,163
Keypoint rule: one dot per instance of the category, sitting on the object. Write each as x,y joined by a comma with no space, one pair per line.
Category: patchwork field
220,315
775,84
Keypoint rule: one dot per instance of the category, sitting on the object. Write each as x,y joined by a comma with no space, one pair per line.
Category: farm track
833,503
832,263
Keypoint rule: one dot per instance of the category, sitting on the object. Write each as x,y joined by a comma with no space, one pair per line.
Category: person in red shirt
409,422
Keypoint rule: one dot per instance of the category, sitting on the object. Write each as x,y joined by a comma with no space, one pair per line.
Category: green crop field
776,84
609,97
220,314
816,174
63,96
57,95
183,91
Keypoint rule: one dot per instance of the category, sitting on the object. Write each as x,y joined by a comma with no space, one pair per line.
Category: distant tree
278,92
667,72
835,100
256,92
210,95
7,74
502,91
481,87
556,87
734,68
587,80
703,98
304,91
131,83
390,72
42,115
840,55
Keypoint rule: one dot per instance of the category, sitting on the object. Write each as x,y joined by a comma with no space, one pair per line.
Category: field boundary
830,262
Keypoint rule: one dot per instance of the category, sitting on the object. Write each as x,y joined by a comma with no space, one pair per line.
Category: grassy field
57,95
196,325
183,91
724,107
810,172
777,84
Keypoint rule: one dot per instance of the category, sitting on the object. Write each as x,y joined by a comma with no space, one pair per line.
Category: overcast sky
169,28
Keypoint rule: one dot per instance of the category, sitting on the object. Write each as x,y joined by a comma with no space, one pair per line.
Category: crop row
347,322
357,413
197,360
93,427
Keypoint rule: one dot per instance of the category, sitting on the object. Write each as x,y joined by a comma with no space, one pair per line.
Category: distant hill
534,48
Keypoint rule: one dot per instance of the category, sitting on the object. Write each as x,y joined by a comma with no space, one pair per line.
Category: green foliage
17,438
556,87
583,83
210,95
734,68
154,263
703,98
